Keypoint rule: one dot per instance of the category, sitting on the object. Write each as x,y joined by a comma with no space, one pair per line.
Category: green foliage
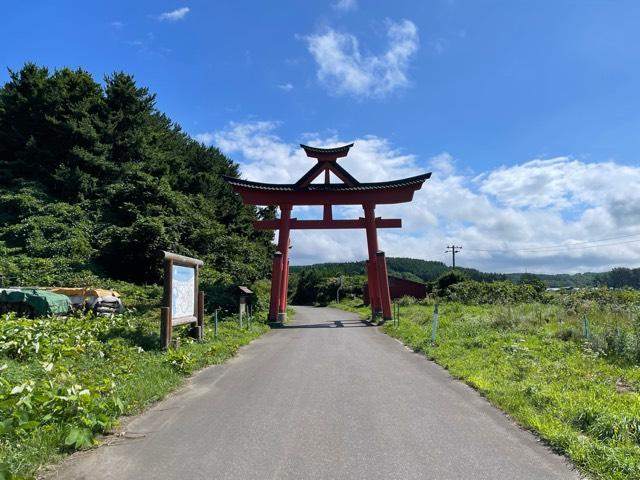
311,287
503,293
95,178
448,279
534,281
623,277
307,288
64,381
583,402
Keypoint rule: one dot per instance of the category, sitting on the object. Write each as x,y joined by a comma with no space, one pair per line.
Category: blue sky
528,109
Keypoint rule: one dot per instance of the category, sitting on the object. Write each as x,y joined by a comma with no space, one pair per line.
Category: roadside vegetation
575,383
63,382
94,182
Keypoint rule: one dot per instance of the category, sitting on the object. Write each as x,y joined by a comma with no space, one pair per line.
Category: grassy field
64,382
535,362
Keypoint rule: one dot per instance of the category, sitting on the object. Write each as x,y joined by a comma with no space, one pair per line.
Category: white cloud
287,87
206,138
345,5
116,24
508,219
174,15
343,69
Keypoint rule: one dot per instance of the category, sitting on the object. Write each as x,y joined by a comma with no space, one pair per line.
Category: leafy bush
447,280
63,381
471,292
597,298
406,300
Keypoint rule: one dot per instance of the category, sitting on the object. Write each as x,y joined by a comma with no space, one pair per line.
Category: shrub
501,293
447,280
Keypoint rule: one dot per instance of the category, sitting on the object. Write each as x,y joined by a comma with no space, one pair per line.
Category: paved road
326,398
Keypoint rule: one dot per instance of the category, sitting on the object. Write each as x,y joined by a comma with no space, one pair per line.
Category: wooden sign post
182,302
244,302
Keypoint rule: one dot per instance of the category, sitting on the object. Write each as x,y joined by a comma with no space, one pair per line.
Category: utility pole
453,249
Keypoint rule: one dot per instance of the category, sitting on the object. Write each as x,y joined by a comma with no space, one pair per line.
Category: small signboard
244,297
183,293
183,303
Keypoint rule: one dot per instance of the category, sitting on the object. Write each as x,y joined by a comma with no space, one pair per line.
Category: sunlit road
326,398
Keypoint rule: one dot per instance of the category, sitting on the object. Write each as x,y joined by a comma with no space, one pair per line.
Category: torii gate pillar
280,271
378,281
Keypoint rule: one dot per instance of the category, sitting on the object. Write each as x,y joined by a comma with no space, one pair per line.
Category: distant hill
427,271
409,268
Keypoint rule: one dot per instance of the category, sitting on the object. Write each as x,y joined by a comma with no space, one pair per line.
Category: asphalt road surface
327,397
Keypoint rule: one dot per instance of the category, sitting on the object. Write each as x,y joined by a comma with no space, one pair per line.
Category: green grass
63,382
531,360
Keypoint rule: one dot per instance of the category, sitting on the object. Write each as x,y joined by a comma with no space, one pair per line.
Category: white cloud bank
509,219
174,15
343,69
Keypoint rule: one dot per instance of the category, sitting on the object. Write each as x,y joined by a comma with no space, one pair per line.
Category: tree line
94,179
319,283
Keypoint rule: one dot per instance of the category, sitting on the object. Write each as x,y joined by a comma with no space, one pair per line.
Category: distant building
399,287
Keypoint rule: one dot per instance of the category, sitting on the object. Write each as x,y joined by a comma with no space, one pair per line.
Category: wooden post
168,286
165,327
166,324
383,281
198,331
275,287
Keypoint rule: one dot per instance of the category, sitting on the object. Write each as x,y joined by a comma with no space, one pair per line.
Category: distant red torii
328,194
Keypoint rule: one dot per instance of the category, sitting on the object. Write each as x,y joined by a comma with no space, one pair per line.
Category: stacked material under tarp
100,301
33,303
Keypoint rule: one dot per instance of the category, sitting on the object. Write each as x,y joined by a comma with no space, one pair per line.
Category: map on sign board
183,294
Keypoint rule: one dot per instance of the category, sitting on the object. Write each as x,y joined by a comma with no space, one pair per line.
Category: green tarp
41,302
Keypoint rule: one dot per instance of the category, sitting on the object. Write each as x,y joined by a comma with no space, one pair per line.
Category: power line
563,245
553,249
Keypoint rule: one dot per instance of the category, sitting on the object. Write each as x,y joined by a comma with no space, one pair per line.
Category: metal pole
585,327
434,325
215,324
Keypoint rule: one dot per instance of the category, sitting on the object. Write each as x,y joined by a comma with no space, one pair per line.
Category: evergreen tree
96,177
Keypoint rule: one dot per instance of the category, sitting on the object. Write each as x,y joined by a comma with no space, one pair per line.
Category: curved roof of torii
303,192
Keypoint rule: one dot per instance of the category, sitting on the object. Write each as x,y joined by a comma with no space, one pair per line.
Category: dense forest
95,181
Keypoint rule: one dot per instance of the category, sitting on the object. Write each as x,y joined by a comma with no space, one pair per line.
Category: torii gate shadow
331,324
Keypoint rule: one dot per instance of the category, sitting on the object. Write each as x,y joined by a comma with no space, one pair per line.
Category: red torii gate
351,192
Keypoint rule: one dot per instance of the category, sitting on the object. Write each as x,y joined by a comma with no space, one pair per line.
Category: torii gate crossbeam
328,194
